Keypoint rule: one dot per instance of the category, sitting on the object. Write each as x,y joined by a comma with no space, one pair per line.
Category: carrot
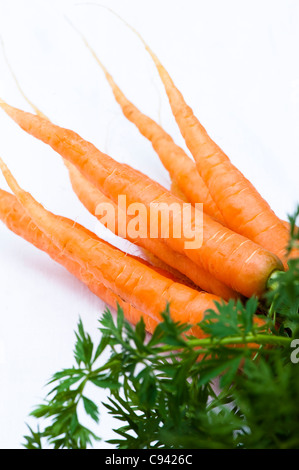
229,257
16,219
242,207
135,282
91,198
174,158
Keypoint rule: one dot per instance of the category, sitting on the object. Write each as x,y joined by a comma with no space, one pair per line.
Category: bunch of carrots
244,242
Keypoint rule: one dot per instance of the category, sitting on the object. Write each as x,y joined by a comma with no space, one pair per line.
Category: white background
236,62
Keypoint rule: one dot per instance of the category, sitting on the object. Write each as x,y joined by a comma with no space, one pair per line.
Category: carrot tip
12,183
3,165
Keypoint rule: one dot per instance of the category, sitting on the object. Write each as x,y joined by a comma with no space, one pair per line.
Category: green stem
206,344
230,340
272,313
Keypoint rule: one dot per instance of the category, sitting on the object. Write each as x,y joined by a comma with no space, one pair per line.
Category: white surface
236,63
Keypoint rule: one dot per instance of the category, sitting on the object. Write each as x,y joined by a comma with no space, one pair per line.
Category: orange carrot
229,257
141,286
174,158
242,207
16,219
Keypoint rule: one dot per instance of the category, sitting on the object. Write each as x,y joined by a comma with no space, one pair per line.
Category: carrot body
91,198
242,207
235,260
16,219
176,191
